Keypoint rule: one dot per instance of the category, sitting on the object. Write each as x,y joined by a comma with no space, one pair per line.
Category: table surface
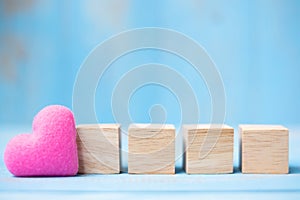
178,186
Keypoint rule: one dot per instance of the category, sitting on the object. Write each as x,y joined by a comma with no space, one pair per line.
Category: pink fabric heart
50,150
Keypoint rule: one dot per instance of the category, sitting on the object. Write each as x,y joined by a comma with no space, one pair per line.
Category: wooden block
208,149
264,149
151,149
98,148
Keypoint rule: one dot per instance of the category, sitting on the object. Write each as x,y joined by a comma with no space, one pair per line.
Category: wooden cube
264,149
98,148
208,149
151,149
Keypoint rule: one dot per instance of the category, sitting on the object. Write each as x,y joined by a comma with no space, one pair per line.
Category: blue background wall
255,45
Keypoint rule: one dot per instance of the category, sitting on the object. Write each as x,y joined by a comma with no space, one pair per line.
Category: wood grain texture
151,149
208,149
98,148
264,149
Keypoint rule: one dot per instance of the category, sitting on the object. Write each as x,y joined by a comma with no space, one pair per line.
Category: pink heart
50,150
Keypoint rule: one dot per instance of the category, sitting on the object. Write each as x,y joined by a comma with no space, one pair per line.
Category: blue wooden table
178,186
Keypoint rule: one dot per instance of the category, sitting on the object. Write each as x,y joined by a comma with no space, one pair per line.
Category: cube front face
264,149
208,150
98,148
151,149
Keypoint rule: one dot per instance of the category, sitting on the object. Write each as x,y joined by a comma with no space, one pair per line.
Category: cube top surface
152,126
98,126
206,126
262,127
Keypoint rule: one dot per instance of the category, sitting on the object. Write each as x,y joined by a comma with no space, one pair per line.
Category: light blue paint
254,44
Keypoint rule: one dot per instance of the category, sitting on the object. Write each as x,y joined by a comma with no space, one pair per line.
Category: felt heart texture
50,150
